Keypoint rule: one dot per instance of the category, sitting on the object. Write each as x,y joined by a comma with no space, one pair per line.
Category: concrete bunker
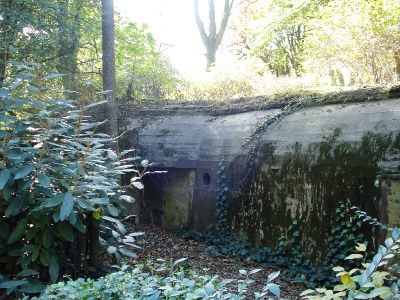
299,168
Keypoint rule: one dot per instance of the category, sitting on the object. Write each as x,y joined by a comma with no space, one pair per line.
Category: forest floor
158,244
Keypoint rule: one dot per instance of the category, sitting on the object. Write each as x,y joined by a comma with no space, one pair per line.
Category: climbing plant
291,107
59,184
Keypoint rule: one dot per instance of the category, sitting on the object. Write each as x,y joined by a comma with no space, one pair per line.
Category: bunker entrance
167,198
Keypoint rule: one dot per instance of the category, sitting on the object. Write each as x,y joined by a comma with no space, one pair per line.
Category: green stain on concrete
308,184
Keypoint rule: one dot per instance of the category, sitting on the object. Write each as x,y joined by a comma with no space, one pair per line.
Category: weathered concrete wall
298,168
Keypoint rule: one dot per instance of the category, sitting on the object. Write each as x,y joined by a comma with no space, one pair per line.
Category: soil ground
158,244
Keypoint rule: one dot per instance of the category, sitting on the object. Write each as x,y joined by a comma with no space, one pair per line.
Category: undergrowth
165,281
345,234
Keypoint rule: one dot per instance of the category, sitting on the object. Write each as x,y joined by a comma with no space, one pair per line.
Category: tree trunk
109,66
8,31
397,61
68,47
213,39
94,246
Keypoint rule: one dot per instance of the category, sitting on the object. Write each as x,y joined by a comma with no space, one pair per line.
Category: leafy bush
371,280
164,283
59,184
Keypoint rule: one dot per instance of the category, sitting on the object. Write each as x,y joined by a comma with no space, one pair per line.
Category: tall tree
68,41
212,40
279,34
47,32
107,9
142,71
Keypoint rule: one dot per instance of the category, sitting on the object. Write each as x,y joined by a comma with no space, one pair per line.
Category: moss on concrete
307,185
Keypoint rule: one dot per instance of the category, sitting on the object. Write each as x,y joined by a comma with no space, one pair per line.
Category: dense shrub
59,185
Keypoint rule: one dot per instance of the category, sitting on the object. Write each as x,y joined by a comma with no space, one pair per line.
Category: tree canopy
353,40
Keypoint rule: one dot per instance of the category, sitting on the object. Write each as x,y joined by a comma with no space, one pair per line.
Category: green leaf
396,233
273,275
362,279
138,185
12,284
33,89
7,191
354,256
105,92
136,234
35,254
32,288
111,249
28,248
113,210
42,219
31,233
377,292
45,257
66,231
44,180
274,289
28,272
66,171
51,76
3,92
127,198
79,225
18,231
99,201
361,247
27,184
24,171
15,207
67,206
47,238
127,253
55,201
4,231
95,104
56,216
45,191
307,292
54,268
121,228
254,271
4,176
72,218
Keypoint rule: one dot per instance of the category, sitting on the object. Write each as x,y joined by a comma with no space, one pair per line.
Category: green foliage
142,72
368,282
343,42
59,185
49,32
280,45
216,86
221,225
344,236
134,283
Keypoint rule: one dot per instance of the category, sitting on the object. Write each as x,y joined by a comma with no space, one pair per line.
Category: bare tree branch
213,39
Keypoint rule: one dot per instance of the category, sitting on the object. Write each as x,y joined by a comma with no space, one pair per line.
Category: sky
172,24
